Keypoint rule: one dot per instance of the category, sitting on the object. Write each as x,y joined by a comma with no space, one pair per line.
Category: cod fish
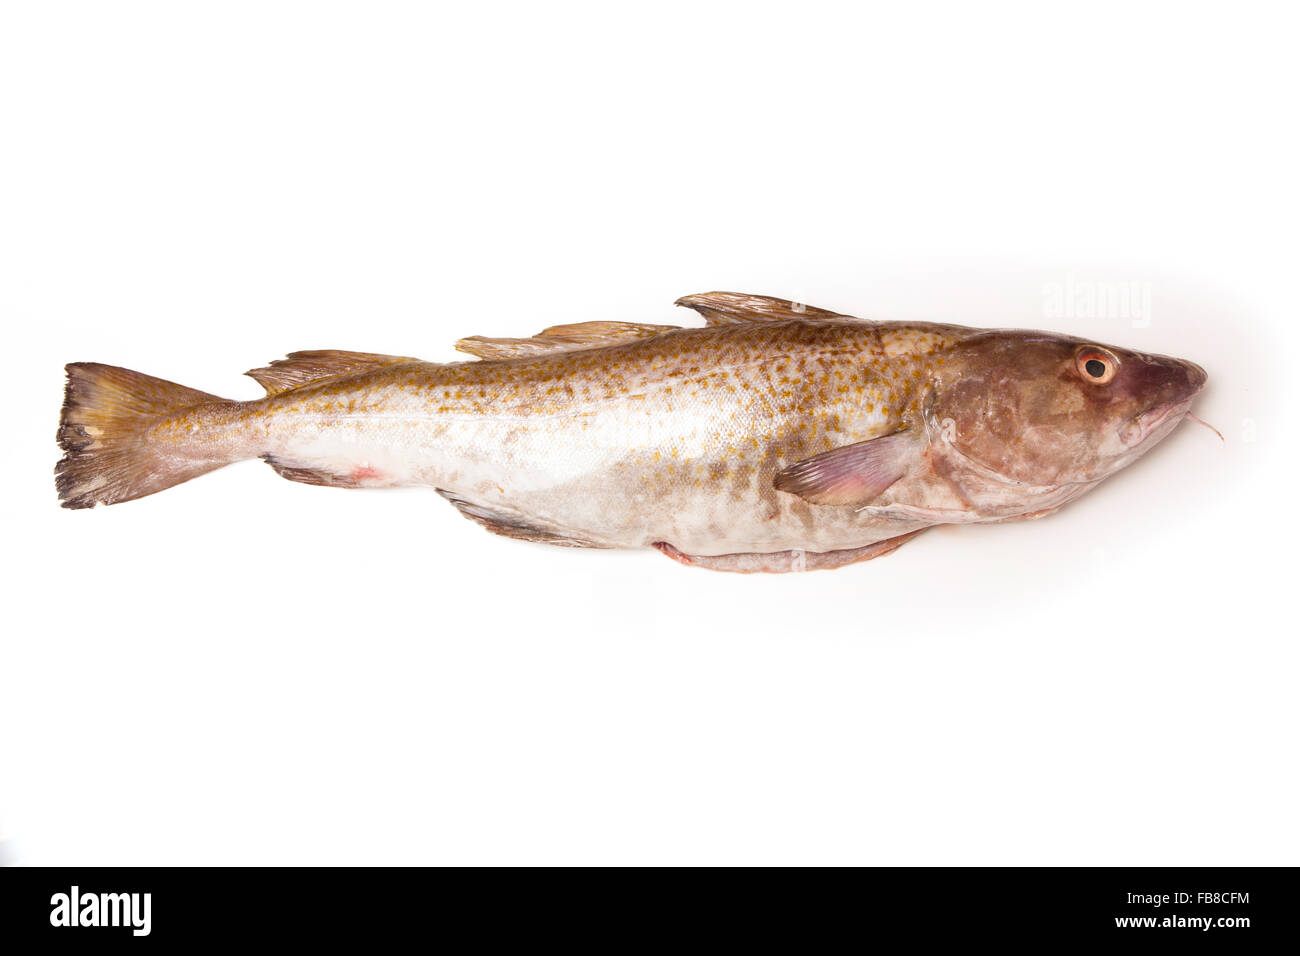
778,437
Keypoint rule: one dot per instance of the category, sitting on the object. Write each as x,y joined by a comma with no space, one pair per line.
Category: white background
247,670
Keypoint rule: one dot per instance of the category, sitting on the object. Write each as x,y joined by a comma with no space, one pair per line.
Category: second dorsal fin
729,308
562,338
305,368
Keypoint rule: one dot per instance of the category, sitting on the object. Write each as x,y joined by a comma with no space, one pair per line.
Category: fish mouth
1154,423
1188,379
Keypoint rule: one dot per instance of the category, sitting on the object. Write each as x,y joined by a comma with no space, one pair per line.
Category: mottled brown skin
1023,410
612,435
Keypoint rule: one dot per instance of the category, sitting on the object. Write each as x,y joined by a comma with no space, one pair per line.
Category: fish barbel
777,437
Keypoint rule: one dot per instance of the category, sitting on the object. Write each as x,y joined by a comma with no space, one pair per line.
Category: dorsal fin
729,308
562,338
305,368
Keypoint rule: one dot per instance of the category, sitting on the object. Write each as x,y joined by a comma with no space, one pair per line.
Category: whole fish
778,437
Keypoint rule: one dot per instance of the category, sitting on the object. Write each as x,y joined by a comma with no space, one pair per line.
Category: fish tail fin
104,433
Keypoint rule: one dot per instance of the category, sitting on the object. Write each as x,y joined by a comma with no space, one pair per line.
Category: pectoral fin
853,474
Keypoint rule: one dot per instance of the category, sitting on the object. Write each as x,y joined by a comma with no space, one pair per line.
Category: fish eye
1096,366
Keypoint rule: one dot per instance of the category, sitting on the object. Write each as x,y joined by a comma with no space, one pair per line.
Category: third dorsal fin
562,338
728,308
305,368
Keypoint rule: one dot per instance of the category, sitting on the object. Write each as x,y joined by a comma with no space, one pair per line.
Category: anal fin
513,524
361,477
777,562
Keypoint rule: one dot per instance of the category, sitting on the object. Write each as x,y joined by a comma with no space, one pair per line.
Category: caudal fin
107,414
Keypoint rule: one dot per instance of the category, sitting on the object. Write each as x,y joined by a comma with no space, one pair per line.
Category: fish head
1046,410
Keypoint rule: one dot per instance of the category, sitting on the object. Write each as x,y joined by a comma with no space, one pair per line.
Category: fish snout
1170,386
1161,380
1196,377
